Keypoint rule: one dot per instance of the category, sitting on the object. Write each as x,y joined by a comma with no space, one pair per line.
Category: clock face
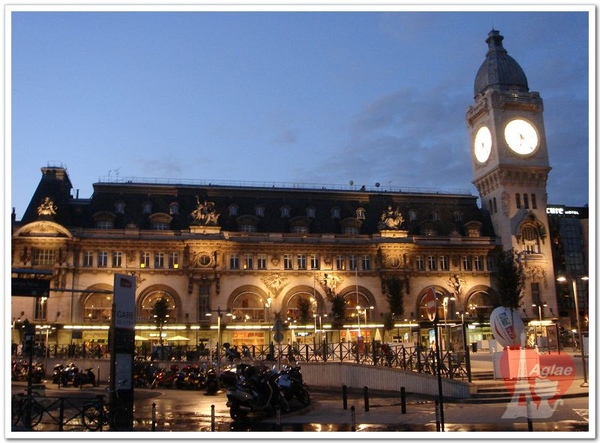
482,146
521,136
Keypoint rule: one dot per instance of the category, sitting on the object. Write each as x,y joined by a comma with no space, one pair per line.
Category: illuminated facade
249,253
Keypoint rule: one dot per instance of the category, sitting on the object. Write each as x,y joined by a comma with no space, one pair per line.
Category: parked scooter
257,391
165,379
64,374
290,381
85,377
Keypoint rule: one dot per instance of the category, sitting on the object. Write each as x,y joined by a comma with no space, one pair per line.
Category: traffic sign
30,287
430,301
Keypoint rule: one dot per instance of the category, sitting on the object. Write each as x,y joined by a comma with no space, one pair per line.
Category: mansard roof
446,213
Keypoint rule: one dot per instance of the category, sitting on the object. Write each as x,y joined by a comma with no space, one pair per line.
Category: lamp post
539,306
466,345
445,302
574,283
209,314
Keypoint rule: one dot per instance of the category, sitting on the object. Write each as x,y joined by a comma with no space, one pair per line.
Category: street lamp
209,314
539,306
466,345
445,302
574,283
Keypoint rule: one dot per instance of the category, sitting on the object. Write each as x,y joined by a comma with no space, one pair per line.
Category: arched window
97,308
530,240
248,307
150,300
361,213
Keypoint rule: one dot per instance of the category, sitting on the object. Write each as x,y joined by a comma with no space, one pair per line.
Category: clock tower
510,165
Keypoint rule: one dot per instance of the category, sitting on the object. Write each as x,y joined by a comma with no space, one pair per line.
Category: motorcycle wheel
237,413
303,396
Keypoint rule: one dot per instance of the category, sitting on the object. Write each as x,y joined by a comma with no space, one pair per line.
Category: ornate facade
251,253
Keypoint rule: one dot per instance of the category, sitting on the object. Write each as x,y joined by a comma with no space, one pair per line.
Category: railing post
212,418
403,399
366,395
345,397
353,418
153,428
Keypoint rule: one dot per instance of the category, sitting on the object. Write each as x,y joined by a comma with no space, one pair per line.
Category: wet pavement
189,412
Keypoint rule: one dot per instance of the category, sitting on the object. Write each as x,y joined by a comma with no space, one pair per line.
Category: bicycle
27,410
97,414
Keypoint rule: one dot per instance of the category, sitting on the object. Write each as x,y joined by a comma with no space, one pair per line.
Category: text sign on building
30,287
124,299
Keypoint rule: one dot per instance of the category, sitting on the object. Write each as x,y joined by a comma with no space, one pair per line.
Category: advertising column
122,346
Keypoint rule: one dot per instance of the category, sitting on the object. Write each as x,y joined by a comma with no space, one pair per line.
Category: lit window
145,260
287,261
173,260
340,263
248,261
233,210
361,213
335,213
174,208
478,263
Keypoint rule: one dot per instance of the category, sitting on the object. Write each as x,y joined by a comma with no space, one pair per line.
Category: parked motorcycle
85,377
164,378
290,381
191,377
64,374
20,371
257,391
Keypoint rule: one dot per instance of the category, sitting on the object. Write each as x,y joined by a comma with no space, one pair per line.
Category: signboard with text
122,347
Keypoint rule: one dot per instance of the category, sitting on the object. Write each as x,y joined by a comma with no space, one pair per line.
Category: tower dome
499,70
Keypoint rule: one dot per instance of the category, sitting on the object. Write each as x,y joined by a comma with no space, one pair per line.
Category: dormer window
259,211
174,208
361,213
310,212
120,207
435,216
233,210
104,220
147,208
285,211
458,216
412,215
160,221
335,212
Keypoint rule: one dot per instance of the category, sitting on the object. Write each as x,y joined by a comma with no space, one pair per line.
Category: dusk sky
297,97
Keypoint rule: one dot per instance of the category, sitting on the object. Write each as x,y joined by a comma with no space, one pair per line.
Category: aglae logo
535,381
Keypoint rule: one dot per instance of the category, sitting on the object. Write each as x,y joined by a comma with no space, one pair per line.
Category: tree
388,323
160,311
303,305
510,280
393,288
